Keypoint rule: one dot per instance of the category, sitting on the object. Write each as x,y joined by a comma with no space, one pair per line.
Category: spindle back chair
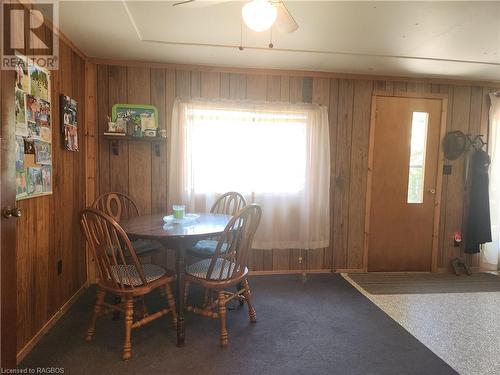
228,204
122,274
226,268
117,205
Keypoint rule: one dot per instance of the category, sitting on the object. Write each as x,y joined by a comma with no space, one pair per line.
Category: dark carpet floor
324,326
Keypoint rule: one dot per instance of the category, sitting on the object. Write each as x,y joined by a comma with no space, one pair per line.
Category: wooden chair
120,206
228,204
226,269
121,275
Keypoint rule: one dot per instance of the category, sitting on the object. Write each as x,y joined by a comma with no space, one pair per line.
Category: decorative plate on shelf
188,218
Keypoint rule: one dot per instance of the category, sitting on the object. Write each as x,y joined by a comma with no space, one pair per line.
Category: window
417,157
260,152
275,154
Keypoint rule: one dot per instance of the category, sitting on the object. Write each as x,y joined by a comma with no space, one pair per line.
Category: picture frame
69,122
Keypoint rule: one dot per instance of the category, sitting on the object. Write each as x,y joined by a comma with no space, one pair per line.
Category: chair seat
142,247
205,249
200,269
152,272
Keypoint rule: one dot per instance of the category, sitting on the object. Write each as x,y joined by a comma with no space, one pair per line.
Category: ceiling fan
258,15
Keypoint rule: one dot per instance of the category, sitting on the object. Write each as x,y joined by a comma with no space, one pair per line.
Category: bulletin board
33,130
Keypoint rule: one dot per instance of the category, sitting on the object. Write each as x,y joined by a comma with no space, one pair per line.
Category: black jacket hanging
478,229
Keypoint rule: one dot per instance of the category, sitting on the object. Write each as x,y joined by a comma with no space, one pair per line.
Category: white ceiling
442,39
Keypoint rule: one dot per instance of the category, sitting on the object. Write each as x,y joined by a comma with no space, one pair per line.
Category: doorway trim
439,182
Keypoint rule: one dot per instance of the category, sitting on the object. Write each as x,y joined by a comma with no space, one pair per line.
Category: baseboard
350,270
287,272
50,323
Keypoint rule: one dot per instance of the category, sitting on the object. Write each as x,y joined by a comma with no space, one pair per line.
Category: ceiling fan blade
285,22
197,3
186,2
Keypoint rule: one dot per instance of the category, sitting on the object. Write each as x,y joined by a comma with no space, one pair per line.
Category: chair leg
97,309
248,297
222,317
129,315
171,303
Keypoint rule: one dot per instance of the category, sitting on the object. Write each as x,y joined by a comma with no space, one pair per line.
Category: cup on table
179,211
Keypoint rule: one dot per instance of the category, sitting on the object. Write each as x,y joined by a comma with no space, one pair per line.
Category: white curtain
491,255
276,155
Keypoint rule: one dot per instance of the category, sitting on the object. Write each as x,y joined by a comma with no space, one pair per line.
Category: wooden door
8,294
404,183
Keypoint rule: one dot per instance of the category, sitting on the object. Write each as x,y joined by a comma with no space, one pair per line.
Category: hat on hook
454,144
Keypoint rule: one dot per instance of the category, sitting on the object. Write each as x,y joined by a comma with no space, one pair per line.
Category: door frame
439,180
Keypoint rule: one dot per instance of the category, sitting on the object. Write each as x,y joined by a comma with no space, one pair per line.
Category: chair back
117,263
238,237
228,204
117,205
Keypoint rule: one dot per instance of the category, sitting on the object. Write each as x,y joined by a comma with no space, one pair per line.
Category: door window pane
416,173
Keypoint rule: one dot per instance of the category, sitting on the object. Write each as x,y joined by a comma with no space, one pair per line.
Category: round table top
153,226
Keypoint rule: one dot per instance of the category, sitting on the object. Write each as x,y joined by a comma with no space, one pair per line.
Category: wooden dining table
177,237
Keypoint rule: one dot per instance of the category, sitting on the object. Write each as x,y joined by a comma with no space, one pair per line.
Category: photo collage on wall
33,130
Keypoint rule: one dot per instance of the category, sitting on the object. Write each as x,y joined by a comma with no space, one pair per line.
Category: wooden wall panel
139,155
455,194
158,170
118,178
358,177
342,177
237,86
349,102
210,85
49,231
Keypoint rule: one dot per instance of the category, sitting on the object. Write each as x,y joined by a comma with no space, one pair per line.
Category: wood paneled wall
142,174
49,230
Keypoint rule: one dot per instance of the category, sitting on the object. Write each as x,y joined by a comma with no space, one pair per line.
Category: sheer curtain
491,255
276,155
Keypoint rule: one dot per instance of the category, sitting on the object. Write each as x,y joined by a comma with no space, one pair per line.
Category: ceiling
432,39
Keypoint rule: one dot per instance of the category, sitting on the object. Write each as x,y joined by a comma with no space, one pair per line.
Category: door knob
432,191
9,212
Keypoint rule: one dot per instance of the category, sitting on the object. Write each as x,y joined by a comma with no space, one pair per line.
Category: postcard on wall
21,184
22,130
43,152
33,130
29,147
19,153
20,107
22,76
43,116
32,108
39,83
69,122
34,181
45,134
47,178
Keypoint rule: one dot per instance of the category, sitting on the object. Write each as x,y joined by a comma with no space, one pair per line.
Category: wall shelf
132,138
115,139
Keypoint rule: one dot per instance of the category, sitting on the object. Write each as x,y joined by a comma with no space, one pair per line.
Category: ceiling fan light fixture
259,15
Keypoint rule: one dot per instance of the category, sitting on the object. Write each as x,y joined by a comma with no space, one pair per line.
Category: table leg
180,270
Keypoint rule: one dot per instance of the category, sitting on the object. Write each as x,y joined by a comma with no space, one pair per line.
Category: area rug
425,283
